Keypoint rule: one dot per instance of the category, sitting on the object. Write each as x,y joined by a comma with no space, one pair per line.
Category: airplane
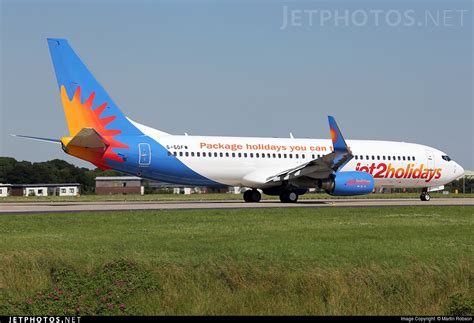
286,167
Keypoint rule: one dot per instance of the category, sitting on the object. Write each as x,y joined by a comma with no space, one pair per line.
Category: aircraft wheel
247,196
425,197
288,197
255,196
283,198
252,196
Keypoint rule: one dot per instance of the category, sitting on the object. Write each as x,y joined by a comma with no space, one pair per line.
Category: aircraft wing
320,167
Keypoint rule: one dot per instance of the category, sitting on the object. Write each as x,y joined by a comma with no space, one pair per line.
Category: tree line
13,171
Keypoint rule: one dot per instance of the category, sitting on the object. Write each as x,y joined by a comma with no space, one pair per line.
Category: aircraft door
144,154
430,162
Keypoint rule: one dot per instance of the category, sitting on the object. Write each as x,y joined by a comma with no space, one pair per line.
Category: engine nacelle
348,183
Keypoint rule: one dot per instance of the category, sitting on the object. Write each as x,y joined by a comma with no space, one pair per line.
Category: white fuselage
250,161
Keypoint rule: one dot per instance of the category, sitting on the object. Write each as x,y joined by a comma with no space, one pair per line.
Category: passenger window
198,154
403,157
215,154
291,155
361,157
192,154
383,157
356,157
302,156
269,155
279,155
181,153
274,156
175,153
408,157
388,157
187,154
413,158
251,155
373,157
240,155
399,158
203,154
233,154
378,157
367,157
284,155
296,156
227,154
245,155
221,154
257,155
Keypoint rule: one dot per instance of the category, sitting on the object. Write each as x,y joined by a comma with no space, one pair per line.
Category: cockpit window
446,157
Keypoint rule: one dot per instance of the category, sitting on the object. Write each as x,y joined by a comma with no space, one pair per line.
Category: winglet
337,139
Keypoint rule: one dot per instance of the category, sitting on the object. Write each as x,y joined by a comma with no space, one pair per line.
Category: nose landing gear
425,196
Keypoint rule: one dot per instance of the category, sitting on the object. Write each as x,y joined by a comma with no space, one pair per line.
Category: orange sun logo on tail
333,135
81,115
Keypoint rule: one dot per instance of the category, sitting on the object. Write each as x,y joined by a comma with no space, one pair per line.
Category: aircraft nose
458,170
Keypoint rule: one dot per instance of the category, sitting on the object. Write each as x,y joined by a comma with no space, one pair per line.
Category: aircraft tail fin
86,104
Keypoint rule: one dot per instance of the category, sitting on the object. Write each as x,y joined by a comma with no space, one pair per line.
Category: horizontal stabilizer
87,138
54,141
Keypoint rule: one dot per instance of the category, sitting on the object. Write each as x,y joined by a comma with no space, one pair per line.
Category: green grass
208,197
408,260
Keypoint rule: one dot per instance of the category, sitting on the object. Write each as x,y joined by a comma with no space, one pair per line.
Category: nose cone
458,170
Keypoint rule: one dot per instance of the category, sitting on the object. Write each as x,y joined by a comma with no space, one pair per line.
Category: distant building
183,189
118,185
5,190
62,189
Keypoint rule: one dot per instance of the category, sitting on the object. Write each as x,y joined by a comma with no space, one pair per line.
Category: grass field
410,260
209,197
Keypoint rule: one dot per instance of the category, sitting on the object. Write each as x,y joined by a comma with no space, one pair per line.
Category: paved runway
48,207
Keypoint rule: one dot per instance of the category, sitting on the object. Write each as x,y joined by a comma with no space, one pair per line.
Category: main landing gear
288,197
252,196
425,196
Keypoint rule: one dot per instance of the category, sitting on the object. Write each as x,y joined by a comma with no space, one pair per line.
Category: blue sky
228,68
